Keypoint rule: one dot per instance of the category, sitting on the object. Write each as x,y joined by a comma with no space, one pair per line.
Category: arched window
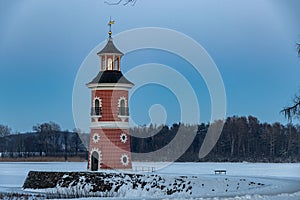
116,64
109,64
103,64
122,103
97,107
123,109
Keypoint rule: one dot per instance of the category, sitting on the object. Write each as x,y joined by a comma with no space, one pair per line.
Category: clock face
109,64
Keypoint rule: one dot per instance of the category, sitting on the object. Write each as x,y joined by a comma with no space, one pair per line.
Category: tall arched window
122,103
109,64
116,64
123,109
97,109
103,64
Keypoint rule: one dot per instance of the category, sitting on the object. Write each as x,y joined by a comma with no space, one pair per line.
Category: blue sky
43,43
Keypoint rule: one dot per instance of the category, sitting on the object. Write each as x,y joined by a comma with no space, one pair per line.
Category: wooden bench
144,169
220,171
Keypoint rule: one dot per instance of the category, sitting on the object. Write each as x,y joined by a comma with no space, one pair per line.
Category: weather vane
111,22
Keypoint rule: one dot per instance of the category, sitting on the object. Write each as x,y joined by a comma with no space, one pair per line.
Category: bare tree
4,130
125,2
294,109
46,135
46,127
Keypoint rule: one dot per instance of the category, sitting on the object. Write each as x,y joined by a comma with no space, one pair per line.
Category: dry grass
21,196
44,159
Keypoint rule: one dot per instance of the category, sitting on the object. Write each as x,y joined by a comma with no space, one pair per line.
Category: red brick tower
109,136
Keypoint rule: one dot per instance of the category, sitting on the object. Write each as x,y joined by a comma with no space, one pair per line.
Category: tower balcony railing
123,111
96,111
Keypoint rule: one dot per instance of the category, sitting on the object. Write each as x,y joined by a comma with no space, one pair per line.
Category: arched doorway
95,161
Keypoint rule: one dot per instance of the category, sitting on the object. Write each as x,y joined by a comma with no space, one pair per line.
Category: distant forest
32,146
242,139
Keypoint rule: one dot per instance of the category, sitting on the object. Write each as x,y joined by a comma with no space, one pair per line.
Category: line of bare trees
242,139
47,139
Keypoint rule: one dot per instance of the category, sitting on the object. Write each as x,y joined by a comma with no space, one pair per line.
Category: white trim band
110,86
110,124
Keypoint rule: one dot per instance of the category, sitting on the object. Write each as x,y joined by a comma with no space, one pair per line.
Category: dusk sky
43,43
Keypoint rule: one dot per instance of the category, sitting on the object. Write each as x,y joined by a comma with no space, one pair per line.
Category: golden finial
111,22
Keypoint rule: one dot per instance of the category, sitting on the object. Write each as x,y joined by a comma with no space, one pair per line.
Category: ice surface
283,179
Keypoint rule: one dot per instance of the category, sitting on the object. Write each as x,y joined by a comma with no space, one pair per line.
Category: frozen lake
13,174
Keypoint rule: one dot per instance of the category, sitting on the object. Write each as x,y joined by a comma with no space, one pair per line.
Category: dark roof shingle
110,48
110,76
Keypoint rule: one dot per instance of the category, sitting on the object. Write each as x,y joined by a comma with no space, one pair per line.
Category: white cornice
110,54
109,124
109,86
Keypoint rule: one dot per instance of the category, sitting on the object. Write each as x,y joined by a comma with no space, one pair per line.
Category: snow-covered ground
282,181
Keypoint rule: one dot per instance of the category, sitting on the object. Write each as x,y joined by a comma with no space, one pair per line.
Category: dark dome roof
110,48
110,76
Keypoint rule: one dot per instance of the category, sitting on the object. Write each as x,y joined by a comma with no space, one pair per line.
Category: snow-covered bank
132,185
